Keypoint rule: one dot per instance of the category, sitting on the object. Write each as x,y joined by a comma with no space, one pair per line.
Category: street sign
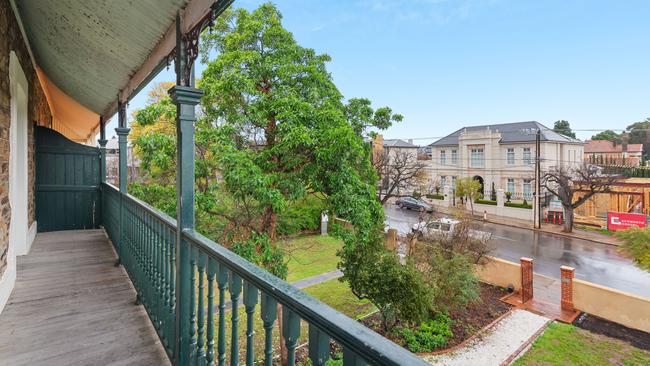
623,220
555,205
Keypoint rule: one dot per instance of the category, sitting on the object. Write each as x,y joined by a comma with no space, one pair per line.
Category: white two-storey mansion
503,154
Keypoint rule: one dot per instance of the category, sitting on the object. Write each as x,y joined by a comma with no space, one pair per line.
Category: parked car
445,226
413,203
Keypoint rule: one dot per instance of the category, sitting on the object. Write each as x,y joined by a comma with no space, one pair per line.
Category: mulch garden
636,338
466,322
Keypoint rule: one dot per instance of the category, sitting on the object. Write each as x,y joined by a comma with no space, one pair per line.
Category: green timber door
67,183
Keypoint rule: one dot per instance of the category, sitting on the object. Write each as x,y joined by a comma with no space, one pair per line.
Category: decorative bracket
121,113
190,40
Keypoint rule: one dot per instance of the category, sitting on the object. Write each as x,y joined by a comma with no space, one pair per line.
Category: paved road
597,263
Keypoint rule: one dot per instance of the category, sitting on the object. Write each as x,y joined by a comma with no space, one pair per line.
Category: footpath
499,345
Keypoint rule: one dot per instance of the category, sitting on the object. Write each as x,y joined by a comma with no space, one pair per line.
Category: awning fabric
69,117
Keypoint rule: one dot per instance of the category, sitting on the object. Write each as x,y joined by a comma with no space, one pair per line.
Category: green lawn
311,255
563,344
332,292
337,294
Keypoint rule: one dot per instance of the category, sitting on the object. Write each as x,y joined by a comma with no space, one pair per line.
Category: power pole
537,215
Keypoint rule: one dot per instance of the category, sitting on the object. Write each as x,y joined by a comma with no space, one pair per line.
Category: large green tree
280,124
273,131
640,134
607,135
564,128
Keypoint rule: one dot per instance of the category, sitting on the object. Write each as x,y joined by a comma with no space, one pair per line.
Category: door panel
67,183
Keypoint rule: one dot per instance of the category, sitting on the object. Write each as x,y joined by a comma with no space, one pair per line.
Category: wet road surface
594,262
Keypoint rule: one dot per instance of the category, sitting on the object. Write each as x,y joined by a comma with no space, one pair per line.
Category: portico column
102,149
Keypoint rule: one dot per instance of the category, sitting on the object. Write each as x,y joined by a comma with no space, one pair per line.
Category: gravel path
493,348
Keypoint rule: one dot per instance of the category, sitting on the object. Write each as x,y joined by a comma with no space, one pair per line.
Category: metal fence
145,241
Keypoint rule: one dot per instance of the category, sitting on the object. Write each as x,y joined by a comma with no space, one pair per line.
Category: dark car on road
413,203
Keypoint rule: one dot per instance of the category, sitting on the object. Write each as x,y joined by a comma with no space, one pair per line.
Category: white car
446,226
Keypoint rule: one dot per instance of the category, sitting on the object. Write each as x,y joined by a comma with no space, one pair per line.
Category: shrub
518,205
417,194
430,335
301,215
508,196
162,197
637,243
398,291
451,273
435,196
258,249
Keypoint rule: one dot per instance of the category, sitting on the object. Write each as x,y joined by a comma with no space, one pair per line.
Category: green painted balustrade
144,239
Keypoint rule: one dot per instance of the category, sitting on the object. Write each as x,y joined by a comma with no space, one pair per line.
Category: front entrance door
67,183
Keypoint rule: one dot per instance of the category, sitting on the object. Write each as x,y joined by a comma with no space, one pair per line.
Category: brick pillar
566,276
526,279
391,240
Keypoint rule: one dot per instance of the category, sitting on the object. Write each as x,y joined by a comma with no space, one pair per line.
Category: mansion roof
516,132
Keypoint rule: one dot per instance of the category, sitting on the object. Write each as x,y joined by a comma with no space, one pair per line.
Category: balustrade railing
222,283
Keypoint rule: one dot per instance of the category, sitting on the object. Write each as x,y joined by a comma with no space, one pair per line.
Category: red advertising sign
622,220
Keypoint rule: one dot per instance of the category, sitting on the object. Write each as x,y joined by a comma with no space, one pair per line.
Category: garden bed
466,322
598,325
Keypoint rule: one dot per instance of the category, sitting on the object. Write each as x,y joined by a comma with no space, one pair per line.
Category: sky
445,64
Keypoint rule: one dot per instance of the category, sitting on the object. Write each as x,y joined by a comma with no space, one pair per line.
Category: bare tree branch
565,182
397,169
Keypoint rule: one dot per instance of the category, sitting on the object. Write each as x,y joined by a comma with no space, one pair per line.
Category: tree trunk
568,220
471,205
270,222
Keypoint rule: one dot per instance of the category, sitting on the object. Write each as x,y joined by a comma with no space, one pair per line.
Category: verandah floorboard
71,306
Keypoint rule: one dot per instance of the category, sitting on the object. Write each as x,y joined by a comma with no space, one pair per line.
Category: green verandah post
102,164
102,149
186,97
122,132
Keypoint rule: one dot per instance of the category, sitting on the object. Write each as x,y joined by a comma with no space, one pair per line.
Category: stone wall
39,113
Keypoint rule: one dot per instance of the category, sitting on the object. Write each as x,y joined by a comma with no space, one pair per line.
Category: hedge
436,196
485,202
518,205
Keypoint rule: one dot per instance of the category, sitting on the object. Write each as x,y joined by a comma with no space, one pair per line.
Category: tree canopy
607,135
640,134
273,133
563,127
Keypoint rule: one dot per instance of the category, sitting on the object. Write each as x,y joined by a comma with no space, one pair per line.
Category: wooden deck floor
71,306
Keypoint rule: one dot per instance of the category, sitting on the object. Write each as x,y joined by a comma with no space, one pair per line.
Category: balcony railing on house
145,240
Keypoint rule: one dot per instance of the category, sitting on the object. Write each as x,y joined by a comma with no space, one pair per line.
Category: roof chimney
411,141
624,139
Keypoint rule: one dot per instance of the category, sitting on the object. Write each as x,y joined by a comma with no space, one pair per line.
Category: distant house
503,154
113,162
385,152
608,152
